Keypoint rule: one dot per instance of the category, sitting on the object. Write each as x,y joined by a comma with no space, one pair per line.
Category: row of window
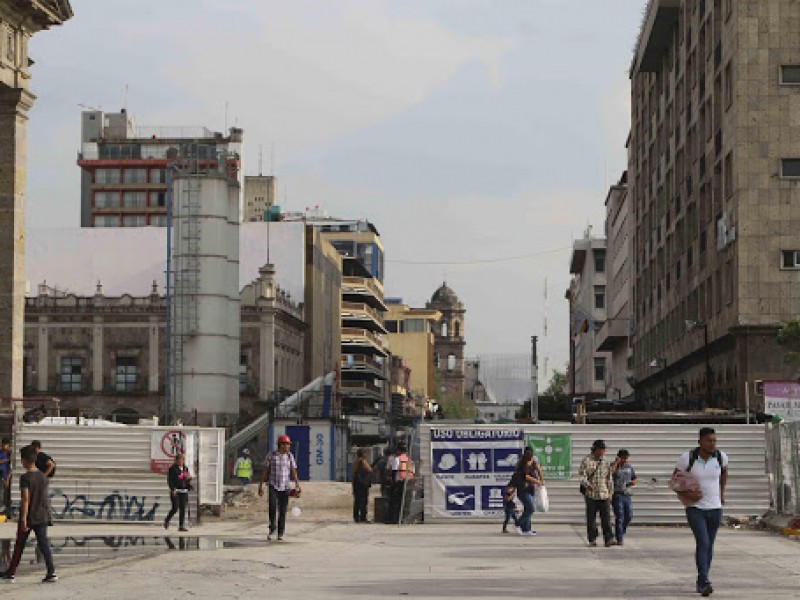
71,374
111,176
129,199
130,220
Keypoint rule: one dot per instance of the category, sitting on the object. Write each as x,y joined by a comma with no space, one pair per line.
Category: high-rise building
411,337
259,196
124,167
714,164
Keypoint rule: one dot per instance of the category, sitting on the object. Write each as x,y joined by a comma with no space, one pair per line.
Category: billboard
782,398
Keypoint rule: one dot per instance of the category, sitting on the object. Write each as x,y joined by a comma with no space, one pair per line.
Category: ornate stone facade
449,341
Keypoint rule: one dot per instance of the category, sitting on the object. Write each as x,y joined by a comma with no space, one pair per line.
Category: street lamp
691,326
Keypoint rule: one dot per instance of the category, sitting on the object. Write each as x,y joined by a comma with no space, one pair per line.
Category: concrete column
42,362
97,355
14,106
266,374
153,351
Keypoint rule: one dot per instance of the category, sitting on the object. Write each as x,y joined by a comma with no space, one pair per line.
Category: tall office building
124,167
714,165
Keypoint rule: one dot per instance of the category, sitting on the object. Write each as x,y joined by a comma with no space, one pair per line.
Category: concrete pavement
343,560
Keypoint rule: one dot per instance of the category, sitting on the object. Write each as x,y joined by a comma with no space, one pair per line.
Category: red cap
284,439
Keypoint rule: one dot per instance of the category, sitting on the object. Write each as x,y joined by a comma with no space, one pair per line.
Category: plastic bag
683,481
542,501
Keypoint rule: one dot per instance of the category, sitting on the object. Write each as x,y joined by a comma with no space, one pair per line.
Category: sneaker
518,529
50,578
706,590
6,577
531,533
592,544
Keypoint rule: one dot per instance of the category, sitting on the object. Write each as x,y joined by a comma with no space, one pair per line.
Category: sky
469,132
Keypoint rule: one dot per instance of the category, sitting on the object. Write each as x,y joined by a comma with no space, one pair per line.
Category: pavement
336,559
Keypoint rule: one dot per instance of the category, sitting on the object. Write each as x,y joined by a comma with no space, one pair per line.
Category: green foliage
557,384
789,338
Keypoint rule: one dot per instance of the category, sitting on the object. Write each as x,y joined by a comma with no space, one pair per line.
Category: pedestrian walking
510,506
402,470
34,515
279,467
709,467
243,468
44,462
596,487
179,481
527,476
624,479
362,480
5,474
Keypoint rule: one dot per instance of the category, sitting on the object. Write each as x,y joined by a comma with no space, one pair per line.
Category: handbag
542,501
582,487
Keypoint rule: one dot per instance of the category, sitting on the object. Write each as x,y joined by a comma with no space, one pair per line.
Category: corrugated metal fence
783,466
654,451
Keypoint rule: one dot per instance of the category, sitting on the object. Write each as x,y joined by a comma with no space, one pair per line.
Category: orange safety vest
406,470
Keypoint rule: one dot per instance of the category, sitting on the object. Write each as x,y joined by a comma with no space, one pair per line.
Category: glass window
791,259
790,74
135,175
106,199
599,369
242,373
391,326
134,199
599,296
125,374
106,176
414,325
134,220
790,167
451,362
70,374
158,220
158,199
106,221
600,261
158,176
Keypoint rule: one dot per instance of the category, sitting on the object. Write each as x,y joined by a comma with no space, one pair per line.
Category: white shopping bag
542,502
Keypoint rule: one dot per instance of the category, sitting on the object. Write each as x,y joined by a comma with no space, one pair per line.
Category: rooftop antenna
260,160
272,159
226,115
125,97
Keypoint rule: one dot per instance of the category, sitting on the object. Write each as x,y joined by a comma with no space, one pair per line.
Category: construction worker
402,471
243,469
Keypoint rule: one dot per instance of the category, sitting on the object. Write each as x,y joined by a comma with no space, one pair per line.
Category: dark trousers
7,496
395,502
604,508
511,513
528,506
623,513
41,541
179,503
360,501
704,524
278,503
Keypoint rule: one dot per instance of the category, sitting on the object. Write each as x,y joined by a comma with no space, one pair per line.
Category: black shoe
619,543
6,577
280,538
50,578
592,543
166,524
182,529
609,543
706,590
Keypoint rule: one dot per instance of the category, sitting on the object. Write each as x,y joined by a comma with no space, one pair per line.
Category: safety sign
471,468
554,453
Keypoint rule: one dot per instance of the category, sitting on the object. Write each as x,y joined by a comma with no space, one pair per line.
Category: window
678,271
790,259
106,176
158,199
444,329
158,176
728,83
242,373
134,199
790,167
158,220
125,374
599,296
702,243
728,177
391,326
599,369
70,374
134,221
457,329
106,221
600,261
451,362
689,257
106,199
790,75
729,282
135,176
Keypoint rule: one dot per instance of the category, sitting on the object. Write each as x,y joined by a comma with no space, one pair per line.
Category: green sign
554,453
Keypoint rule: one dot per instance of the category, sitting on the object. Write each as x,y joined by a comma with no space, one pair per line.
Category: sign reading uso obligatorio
466,435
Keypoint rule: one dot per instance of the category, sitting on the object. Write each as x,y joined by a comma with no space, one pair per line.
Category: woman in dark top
526,477
179,480
362,478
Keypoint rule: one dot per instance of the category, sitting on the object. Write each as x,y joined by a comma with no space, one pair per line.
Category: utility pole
534,381
708,365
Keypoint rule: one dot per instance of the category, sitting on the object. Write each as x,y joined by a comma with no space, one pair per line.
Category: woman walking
362,479
527,477
179,480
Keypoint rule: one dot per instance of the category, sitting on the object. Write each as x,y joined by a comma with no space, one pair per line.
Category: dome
445,296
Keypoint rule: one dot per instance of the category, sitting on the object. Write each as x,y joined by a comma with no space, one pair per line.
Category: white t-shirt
708,473
394,463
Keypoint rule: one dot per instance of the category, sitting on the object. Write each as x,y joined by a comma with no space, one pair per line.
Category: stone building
588,366
106,355
18,22
449,341
259,196
714,166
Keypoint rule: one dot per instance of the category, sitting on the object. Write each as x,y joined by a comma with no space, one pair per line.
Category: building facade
124,167
449,342
259,196
588,367
411,337
614,336
713,180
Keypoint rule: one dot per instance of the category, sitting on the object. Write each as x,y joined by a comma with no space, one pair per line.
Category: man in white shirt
704,507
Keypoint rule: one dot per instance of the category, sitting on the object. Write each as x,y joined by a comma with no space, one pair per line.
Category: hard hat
284,439
246,451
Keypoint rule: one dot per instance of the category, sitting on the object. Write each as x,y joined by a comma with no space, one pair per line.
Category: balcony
361,389
660,20
361,341
360,314
364,290
361,365
613,333
579,251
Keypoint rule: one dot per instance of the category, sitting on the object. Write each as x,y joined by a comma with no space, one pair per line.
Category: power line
480,261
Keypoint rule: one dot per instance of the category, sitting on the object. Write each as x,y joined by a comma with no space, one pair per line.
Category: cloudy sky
468,131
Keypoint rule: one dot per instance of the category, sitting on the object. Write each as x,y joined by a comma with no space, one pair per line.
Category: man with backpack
709,467
44,462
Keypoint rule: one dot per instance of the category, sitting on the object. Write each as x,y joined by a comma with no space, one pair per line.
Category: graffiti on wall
116,506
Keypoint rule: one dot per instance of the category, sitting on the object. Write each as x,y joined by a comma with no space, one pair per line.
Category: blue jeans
623,513
524,521
704,524
511,513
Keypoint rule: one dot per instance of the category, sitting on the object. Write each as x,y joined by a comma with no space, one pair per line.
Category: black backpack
695,454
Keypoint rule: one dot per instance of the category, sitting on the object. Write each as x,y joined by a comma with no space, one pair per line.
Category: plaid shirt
597,473
280,470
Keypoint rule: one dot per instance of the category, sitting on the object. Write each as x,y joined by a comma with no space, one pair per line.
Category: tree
789,338
557,384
